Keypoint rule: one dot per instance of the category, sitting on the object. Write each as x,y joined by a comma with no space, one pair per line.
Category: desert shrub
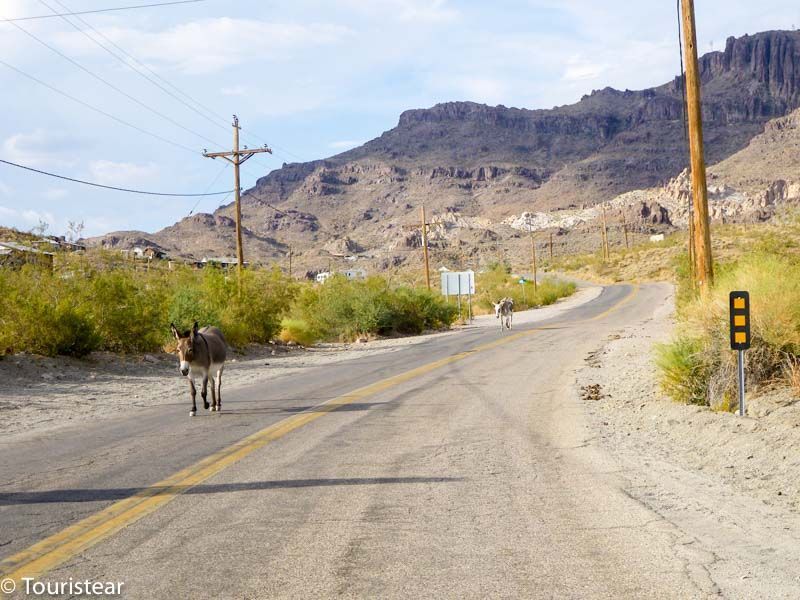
496,283
701,351
107,305
298,331
127,310
342,309
44,314
684,372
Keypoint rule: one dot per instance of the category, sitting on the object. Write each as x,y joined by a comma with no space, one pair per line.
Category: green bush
496,282
106,305
297,330
342,309
684,372
699,365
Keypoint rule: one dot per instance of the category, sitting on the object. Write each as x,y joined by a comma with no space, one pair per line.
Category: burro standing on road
504,310
202,351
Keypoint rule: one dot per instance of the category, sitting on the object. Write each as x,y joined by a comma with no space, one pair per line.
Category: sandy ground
731,484
39,394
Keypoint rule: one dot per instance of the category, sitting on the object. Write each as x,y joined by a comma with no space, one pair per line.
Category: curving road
461,467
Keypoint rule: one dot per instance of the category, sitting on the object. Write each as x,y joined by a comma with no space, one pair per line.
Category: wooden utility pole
237,157
625,230
425,247
551,246
290,262
533,257
701,239
606,253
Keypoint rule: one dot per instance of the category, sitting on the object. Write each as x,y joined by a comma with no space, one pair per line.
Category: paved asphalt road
474,477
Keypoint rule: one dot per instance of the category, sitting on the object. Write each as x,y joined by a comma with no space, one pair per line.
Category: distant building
323,277
14,255
148,253
355,274
52,243
226,262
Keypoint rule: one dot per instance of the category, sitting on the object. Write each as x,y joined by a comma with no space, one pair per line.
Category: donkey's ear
194,329
174,331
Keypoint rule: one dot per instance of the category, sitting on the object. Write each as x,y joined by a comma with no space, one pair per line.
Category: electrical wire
109,187
130,58
214,119
225,167
111,85
99,110
105,10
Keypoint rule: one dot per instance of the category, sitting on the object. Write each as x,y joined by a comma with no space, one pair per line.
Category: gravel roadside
731,484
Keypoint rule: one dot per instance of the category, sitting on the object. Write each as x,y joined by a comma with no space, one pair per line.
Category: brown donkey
202,352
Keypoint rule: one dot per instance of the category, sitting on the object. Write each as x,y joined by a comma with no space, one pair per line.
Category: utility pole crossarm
218,155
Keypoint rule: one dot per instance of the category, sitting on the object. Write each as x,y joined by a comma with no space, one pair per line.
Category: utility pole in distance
704,271
425,247
237,157
533,256
606,253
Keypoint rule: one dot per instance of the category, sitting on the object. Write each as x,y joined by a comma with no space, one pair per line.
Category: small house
14,255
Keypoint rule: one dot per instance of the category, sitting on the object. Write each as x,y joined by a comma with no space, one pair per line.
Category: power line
104,10
214,119
99,110
111,85
108,187
128,55
210,185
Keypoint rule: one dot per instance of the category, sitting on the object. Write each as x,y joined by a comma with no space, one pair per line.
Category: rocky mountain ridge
470,163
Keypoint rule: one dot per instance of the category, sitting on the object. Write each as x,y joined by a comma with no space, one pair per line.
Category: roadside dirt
731,484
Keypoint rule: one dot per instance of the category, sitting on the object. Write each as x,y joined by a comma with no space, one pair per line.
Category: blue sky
310,77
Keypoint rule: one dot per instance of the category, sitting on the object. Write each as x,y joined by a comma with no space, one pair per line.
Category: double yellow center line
64,545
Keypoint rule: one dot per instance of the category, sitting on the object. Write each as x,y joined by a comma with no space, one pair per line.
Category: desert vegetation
697,366
497,282
98,301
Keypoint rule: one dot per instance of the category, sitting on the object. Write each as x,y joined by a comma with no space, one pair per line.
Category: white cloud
345,144
55,193
12,9
420,12
25,218
578,69
122,173
234,90
210,45
40,148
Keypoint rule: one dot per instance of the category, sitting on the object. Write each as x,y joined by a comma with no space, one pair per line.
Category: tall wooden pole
237,194
551,246
237,157
625,229
425,247
290,262
704,271
533,257
606,253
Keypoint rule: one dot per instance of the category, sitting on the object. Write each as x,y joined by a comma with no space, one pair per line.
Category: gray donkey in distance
202,352
504,310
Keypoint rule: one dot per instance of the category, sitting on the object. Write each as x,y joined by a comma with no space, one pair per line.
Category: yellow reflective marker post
740,335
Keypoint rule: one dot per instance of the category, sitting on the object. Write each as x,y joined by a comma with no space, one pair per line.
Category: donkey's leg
204,393
218,380
193,391
213,383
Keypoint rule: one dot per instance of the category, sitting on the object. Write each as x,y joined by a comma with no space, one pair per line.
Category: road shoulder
729,484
